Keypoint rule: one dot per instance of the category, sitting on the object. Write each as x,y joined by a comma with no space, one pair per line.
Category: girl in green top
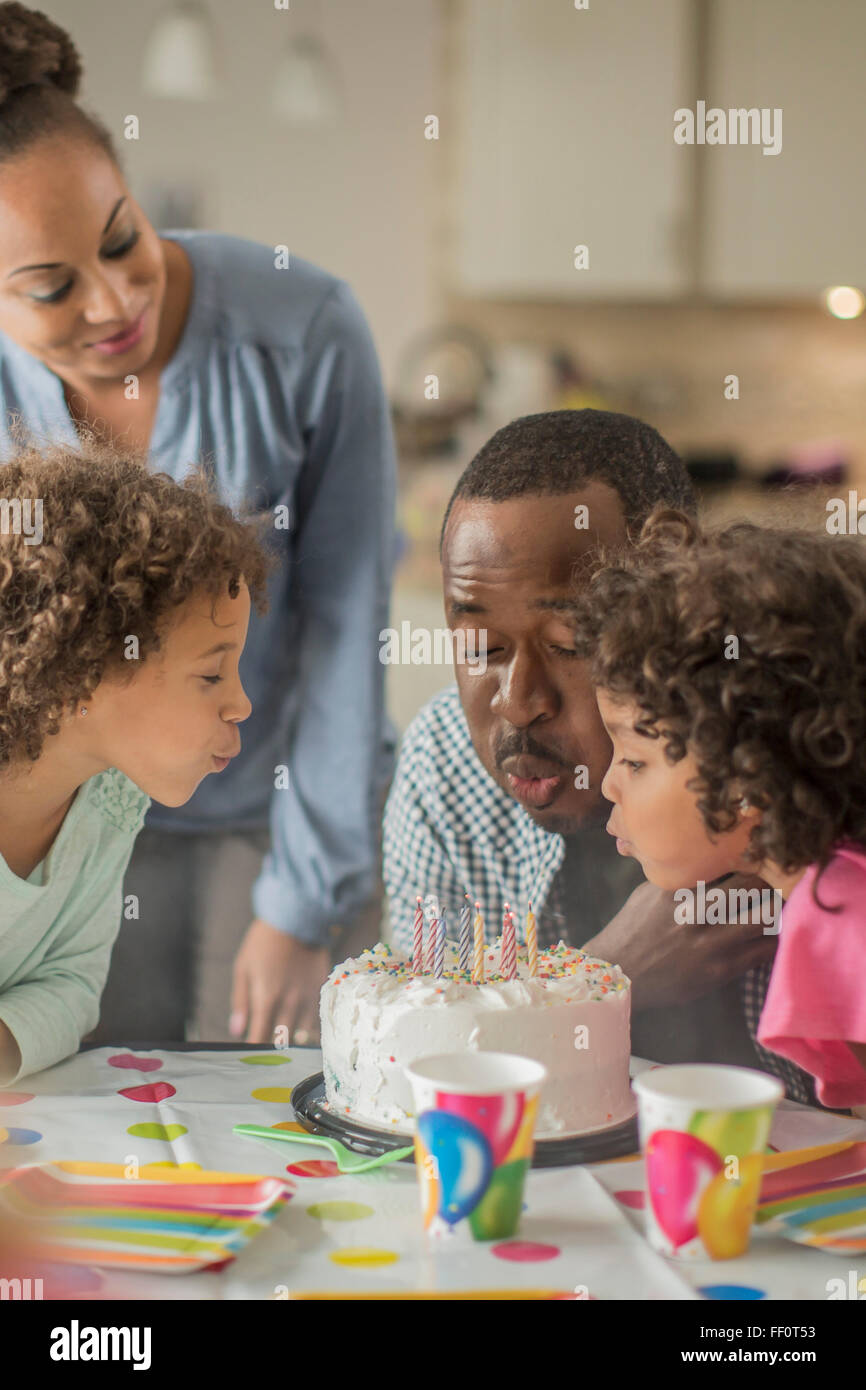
124,603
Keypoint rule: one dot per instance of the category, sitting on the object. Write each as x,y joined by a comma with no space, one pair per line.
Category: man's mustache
517,745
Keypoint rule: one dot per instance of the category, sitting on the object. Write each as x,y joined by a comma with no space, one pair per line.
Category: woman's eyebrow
55,265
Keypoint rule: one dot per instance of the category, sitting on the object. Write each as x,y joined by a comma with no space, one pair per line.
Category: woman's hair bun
35,49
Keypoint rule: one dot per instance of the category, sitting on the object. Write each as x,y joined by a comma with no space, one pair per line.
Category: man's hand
276,983
671,963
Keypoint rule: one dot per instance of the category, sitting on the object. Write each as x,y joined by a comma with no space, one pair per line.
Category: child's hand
671,963
276,984
10,1055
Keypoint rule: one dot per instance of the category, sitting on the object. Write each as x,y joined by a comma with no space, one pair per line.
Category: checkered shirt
450,830
799,1085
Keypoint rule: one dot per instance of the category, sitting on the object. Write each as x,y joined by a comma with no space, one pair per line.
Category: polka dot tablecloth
580,1237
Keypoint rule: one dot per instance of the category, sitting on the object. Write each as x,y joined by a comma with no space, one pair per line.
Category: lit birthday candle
531,942
439,963
418,939
478,957
508,954
465,934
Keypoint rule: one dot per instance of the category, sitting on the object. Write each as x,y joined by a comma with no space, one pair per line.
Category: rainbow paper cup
474,1136
703,1132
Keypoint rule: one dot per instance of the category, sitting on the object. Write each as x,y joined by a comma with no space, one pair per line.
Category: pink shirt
816,998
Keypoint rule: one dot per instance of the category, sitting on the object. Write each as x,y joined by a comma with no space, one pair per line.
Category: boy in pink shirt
731,676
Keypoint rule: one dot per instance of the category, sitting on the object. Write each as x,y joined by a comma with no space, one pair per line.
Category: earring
745,805
83,709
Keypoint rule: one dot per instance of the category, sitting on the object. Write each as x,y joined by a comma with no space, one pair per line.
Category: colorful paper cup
474,1135
703,1132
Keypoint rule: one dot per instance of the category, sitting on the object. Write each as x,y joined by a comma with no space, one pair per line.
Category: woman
199,344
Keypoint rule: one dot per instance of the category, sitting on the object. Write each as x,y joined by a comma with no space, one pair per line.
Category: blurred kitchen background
307,123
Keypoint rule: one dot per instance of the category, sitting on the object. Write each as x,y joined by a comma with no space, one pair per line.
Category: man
497,790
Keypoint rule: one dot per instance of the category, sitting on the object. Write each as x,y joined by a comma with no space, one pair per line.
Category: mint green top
57,927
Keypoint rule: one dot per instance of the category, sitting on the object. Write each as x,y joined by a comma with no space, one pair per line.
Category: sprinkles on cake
555,963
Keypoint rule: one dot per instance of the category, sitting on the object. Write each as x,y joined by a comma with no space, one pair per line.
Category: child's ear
745,809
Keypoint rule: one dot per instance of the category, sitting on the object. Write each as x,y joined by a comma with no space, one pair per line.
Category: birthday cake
379,1015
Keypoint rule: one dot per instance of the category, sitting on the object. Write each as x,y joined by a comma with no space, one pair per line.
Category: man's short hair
561,450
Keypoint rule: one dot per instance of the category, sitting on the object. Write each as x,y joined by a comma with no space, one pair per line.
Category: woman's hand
275,984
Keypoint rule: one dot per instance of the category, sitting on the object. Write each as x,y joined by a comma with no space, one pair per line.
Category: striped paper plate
820,1203
164,1221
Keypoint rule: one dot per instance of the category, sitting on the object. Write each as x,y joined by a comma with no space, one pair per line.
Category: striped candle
433,931
418,939
439,964
531,943
508,953
478,956
465,934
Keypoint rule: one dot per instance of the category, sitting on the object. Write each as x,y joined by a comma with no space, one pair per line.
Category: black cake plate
310,1106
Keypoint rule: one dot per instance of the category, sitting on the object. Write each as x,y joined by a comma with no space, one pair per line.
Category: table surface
581,1228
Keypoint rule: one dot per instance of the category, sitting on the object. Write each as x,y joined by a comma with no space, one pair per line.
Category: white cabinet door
795,222
565,138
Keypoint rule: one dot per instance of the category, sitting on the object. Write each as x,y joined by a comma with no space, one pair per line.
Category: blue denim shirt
275,383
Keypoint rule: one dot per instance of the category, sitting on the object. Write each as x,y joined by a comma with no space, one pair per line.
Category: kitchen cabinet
788,224
564,138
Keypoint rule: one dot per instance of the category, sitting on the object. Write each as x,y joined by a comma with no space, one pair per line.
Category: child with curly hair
124,603
731,677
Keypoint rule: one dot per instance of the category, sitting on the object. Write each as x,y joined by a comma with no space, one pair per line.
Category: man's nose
525,693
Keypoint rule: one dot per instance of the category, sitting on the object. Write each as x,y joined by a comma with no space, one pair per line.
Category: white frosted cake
573,1016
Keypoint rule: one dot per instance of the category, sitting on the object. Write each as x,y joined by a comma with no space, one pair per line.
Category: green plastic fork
347,1161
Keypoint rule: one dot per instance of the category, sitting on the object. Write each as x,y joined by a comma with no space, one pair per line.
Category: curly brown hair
782,725
122,548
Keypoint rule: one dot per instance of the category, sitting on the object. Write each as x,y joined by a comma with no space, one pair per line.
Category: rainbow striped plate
167,1221
820,1201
